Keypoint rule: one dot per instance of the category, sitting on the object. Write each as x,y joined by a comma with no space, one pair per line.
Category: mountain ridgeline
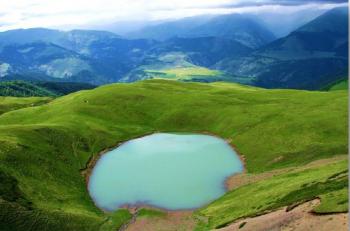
238,46
308,58
241,28
19,88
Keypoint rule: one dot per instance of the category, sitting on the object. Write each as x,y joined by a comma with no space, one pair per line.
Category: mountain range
308,58
244,29
239,46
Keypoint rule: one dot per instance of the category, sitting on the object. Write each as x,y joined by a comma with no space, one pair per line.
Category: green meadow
14,103
46,144
282,190
185,73
342,85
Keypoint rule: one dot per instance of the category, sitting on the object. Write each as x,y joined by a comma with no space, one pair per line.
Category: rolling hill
341,85
14,103
45,150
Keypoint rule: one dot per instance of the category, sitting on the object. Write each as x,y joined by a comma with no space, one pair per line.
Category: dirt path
134,213
298,219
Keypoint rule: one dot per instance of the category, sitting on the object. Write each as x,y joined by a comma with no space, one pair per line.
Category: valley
187,73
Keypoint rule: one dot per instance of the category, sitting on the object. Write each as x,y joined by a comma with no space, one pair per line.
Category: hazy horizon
108,15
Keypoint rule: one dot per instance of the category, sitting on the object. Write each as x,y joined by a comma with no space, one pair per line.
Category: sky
68,14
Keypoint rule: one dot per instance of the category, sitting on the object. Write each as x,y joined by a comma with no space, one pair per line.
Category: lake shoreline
86,172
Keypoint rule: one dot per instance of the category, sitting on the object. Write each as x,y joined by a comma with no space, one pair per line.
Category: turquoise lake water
171,171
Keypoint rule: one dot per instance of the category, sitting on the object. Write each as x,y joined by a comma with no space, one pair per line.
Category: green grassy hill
328,182
44,149
341,85
13,103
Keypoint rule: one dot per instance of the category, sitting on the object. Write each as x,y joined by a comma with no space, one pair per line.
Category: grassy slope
340,84
343,85
144,212
279,191
13,103
271,128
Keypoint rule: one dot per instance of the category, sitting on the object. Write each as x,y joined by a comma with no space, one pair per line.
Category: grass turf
44,148
14,103
280,191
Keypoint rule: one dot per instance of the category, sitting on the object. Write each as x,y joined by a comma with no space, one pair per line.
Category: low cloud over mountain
78,14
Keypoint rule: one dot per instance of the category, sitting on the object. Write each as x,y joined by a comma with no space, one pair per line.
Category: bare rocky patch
300,218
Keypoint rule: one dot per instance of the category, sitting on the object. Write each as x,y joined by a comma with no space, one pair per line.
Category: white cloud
74,13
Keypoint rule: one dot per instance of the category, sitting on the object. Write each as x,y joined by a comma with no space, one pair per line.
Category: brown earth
173,221
299,219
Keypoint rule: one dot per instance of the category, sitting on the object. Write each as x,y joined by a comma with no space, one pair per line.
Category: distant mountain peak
242,28
335,20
